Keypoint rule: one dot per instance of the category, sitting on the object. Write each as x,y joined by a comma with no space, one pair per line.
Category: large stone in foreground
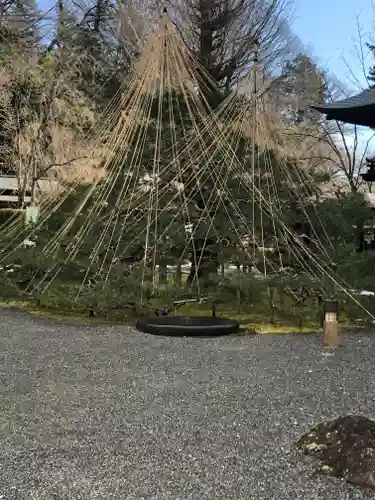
346,446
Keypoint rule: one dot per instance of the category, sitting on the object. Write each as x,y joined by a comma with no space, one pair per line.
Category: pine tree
222,33
20,23
371,75
300,85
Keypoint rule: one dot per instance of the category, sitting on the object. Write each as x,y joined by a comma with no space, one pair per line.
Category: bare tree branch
63,164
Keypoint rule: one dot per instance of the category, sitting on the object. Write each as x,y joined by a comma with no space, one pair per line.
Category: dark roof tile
365,98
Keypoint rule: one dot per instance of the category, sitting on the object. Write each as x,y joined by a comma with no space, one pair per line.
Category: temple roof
358,109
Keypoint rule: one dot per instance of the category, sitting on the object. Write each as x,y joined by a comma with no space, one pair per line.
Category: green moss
247,327
255,322
250,323
32,308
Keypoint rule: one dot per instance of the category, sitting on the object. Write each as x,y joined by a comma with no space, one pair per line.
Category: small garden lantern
330,322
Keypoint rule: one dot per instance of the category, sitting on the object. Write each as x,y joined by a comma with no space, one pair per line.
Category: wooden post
238,293
271,294
330,323
178,275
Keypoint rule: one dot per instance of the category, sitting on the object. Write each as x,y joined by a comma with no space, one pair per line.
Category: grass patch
249,320
250,323
50,313
246,323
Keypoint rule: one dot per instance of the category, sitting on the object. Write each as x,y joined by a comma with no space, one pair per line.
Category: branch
364,154
359,48
318,157
65,163
361,52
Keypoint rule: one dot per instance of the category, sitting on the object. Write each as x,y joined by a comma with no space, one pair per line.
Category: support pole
255,70
330,323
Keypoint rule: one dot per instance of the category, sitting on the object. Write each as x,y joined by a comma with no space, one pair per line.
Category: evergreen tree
222,33
300,85
371,75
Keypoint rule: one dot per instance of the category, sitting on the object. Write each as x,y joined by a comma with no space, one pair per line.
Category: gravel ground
107,413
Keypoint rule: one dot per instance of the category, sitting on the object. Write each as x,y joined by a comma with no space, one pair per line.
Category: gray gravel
104,412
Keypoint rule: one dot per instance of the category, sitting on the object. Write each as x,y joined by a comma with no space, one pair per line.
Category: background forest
61,68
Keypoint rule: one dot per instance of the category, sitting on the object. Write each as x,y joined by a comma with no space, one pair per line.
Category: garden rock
346,447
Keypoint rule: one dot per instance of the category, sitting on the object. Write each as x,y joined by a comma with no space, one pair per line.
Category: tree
109,37
332,147
44,115
19,21
300,84
221,34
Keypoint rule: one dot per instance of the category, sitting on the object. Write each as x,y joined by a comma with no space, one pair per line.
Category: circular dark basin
188,326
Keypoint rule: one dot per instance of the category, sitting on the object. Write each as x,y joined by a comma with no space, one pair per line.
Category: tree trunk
206,48
178,276
203,262
98,16
222,269
163,274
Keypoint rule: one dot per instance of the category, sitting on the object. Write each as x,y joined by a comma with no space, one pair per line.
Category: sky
328,28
